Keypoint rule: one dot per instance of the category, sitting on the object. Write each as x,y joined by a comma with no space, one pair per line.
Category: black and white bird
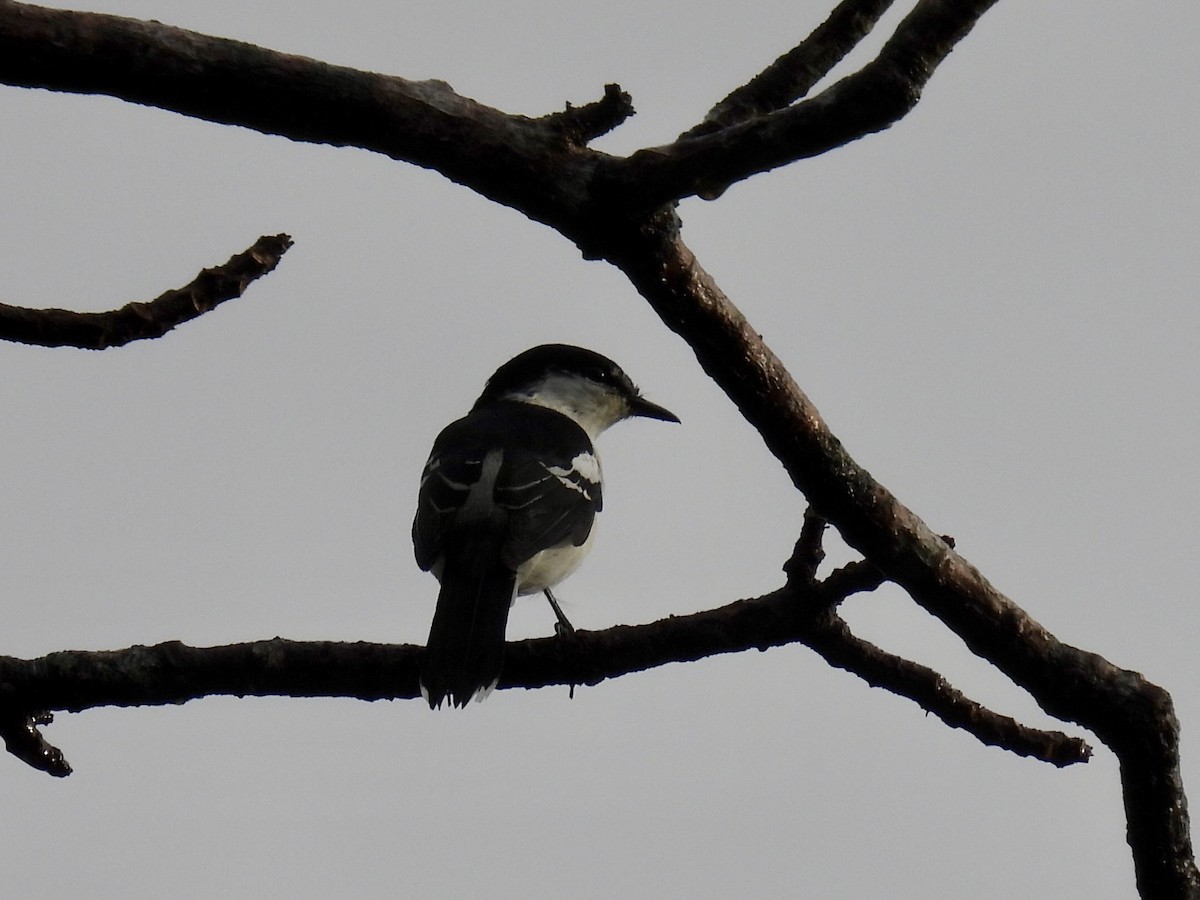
507,504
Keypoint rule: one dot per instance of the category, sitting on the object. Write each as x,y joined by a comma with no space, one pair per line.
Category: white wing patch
583,473
587,465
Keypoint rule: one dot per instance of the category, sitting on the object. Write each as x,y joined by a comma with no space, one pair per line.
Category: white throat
594,407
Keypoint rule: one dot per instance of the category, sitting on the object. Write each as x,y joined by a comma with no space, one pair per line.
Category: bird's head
590,388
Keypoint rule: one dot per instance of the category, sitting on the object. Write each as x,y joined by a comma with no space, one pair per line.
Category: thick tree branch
137,321
503,157
534,165
1131,715
175,673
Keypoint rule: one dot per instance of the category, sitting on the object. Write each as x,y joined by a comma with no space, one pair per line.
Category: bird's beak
640,406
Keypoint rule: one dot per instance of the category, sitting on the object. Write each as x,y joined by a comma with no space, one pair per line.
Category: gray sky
993,305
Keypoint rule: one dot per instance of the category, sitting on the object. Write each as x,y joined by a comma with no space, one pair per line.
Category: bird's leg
563,627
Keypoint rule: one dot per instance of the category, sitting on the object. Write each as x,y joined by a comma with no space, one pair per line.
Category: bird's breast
548,567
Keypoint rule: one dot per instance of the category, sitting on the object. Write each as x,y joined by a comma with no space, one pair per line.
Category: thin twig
795,73
808,553
139,321
583,124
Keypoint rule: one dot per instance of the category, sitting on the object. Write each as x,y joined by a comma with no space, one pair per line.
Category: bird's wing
546,490
551,501
445,485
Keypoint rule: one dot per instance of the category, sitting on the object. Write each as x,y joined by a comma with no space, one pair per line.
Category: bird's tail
466,641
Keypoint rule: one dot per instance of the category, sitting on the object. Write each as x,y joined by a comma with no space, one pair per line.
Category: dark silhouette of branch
809,551
796,72
1132,716
622,210
855,578
582,124
504,157
138,321
23,740
521,162
934,693
870,100
173,672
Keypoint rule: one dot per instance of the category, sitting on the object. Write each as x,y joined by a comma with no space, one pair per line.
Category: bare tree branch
793,75
934,693
809,553
502,157
870,100
1132,716
857,577
528,164
580,125
23,740
173,672
138,321
620,209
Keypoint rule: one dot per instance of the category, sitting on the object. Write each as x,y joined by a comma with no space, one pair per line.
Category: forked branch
173,672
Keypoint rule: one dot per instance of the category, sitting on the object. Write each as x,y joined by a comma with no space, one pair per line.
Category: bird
507,504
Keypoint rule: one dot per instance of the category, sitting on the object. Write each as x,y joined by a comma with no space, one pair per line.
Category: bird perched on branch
507,503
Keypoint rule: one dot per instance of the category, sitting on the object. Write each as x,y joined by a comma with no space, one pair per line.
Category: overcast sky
993,304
